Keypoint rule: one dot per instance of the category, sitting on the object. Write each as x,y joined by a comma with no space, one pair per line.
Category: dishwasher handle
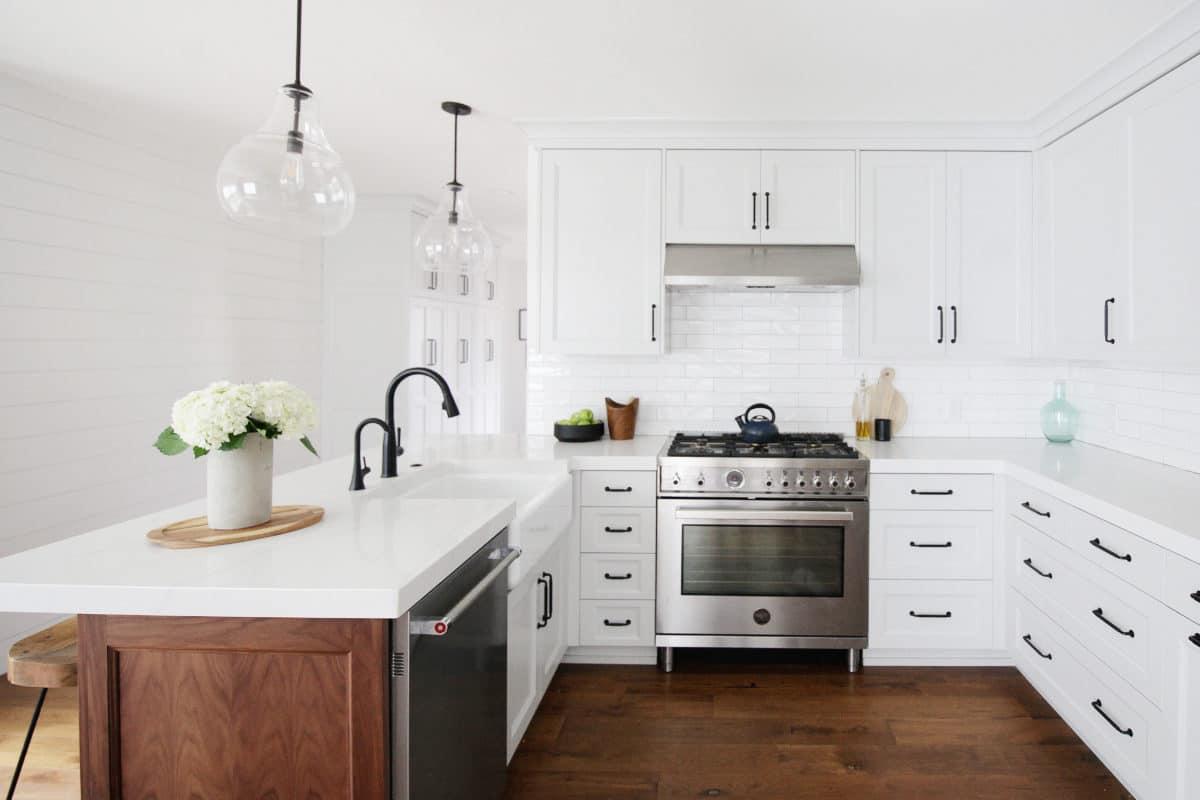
440,626
746,515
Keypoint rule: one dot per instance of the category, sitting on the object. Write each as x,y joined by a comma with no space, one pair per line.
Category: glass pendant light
453,238
285,177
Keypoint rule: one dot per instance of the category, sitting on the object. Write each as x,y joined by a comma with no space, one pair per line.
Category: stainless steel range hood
796,268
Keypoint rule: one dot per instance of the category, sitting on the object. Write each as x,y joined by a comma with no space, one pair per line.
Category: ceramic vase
239,484
1060,419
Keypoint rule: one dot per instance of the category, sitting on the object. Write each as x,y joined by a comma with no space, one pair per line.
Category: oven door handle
719,515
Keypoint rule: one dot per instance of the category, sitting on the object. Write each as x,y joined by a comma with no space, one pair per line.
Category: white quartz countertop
373,556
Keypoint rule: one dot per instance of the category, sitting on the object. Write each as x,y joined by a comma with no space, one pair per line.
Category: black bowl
579,433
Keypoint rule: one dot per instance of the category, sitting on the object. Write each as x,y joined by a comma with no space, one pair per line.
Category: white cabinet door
989,250
552,636
713,197
1184,705
808,197
524,611
902,252
1083,240
1162,298
600,252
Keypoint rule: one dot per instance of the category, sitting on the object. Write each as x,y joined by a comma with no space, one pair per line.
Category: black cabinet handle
1029,507
946,615
767,198
1028,639
1195,639
954,325
754,211
943,493
618,530
1048,575
653,314
1195,595
1098,613
625,577
618,489
545,618
924,544
1108,304
941,324
1096,704
610,624
549,595
1096,544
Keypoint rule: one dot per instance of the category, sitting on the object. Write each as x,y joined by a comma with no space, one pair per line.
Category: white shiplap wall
121,288
728,349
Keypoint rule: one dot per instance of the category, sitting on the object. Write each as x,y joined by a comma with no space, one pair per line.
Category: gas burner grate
789,445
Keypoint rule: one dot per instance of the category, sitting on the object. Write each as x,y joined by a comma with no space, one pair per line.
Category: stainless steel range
761,545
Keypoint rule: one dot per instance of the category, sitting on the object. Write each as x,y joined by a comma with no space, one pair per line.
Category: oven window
763,560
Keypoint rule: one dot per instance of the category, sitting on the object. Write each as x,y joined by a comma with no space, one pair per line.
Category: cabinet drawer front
624,488
1182,591
941,615
1041,649
1039,510
1037,569
616,577
607,530
931,544
618,623
932,492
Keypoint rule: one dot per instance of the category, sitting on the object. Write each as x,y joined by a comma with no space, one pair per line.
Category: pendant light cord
299,92
455,179
299,18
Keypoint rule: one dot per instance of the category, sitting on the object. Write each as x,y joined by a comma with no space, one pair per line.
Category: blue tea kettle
758,429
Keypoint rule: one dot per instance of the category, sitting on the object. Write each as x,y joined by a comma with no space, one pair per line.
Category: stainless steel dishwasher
450,683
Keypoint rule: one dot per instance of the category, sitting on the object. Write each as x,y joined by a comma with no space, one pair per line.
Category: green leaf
309,446
235,442
198,451
267,430
169,443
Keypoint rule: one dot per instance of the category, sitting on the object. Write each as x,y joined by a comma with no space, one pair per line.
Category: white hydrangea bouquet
234,424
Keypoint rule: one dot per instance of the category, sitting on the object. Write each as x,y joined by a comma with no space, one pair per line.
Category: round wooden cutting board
195,532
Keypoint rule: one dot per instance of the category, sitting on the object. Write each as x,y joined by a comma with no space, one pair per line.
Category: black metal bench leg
37,712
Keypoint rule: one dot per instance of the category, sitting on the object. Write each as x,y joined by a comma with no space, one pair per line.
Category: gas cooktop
788,445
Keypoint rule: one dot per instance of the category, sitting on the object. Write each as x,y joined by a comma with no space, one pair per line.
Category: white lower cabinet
616,623
1183,704
937,615
537,638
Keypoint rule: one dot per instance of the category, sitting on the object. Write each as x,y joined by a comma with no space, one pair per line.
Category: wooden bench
46,660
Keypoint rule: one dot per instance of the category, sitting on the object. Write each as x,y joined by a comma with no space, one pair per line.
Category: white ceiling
380,68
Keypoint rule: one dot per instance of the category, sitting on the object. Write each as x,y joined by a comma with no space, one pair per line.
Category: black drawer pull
1098,613
1048,575
942,493
618,530
625,577
610,624
924,544
1026,505
618,489
1028,639
1195,595
1195,639
946,615
1096,704
1096,544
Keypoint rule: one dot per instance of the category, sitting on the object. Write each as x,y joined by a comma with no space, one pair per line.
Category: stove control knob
816,482
834,483
850,482
735,478
768,482
800,482
783,480
675,480
700,479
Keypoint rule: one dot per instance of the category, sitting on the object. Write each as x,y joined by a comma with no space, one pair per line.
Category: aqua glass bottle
1060,419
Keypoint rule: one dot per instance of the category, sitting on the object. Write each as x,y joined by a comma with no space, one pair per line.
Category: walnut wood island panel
180,707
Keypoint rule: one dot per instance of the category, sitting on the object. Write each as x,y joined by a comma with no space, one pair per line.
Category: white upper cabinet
1083,240
988,255
1162,298
713,196
599,252
902,254
808,197
760,197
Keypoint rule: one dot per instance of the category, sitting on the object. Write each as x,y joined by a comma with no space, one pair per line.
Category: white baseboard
611,655
936,658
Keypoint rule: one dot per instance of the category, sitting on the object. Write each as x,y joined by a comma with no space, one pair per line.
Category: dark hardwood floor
784,725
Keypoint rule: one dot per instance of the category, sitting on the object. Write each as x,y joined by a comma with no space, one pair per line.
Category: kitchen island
262,668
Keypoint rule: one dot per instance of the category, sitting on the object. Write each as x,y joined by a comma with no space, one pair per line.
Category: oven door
762,568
